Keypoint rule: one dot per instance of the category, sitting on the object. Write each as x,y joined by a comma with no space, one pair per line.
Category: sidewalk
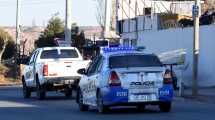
10,84
204,95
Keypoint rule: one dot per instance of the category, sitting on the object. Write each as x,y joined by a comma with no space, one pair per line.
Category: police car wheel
82,106
26,90
165,106
100,106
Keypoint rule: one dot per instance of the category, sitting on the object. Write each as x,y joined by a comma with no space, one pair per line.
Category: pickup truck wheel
141,107
165,106
82,106
26,90
68,93
100,106
41,92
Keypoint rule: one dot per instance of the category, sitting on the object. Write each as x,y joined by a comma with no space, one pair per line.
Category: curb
202,99
10,84
177,98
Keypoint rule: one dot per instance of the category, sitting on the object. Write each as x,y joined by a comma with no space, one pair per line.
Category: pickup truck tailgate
65,68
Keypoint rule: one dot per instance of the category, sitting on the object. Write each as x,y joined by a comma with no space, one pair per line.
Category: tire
82,106
100,106
68,93
41,92
175,83
25,89
165,106
141,107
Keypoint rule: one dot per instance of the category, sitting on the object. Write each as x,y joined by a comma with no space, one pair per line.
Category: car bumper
62,80
115,96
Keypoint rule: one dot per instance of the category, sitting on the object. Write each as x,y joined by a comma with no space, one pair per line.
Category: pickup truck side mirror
82,71
28,61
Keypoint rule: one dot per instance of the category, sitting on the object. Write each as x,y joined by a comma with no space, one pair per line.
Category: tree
5,40
78,37
10,50
54,29
79,40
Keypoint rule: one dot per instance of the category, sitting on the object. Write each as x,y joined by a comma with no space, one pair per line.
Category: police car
125,77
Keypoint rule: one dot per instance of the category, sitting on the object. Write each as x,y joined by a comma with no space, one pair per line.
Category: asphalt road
56,107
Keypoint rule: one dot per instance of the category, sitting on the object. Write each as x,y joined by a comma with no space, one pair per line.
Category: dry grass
6,80
3,80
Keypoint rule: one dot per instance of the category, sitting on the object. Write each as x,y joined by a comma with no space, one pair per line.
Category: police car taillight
114,79
45,70
168,77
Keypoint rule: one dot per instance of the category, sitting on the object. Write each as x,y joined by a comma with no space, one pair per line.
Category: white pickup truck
52,69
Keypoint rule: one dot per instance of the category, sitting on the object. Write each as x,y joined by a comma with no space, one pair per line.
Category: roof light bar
116,49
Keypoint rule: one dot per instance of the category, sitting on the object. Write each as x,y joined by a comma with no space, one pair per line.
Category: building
91,32
160,33
132,8
135,16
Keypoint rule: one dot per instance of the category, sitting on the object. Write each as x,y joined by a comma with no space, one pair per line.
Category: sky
40,11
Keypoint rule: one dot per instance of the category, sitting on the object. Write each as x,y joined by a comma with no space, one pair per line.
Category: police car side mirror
82,71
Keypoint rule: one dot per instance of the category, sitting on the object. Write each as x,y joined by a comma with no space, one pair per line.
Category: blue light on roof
117,49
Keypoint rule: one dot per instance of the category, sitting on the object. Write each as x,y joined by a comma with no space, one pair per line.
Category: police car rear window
126,61
64,53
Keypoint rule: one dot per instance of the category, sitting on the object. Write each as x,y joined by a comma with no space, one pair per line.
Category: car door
85,87
87,84
29,74
34,67
93,79
31,68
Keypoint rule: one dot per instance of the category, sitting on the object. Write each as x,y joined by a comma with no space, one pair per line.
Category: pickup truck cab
124,77
52,69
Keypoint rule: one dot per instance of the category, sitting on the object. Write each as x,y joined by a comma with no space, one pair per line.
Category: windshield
63,53
134,61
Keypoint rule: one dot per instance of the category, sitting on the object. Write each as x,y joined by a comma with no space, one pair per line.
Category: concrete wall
173,39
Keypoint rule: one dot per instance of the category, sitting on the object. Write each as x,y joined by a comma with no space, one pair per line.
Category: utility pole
105,22
117,16
68,20
137,23
196,14
18,24
17,38
107,18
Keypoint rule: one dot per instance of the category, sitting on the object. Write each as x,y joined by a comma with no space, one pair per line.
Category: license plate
69,81
146,91
142,98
